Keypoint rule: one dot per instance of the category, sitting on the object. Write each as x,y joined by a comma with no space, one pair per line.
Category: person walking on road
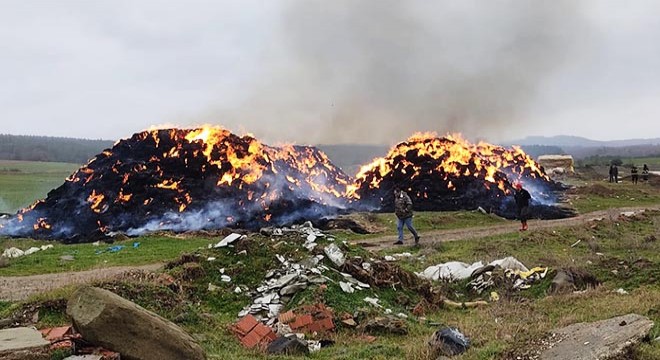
403,208
522,198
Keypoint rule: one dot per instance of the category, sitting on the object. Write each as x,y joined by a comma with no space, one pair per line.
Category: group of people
634,174
403,209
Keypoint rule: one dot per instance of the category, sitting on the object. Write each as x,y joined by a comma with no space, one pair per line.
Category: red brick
326,324
301,321
314,327
56,333
287,317
262,330
245,325
250,340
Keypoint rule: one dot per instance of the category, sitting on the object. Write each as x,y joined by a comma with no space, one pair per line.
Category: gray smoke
375,71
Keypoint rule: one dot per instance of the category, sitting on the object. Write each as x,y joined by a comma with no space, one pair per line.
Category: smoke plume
375,71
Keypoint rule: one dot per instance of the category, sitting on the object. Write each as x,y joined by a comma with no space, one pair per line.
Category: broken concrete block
22,343
333,252
110,321
386,325
228,240
598,340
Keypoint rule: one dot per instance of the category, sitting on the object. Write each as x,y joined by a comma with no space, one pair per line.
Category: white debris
366,266
510,263
401,255
242,252
389,258
211,258
453,270
621,291
228,240
388,311
335,254
311,238
31,250
13,252
238,290
402,315
346,287
373,301
225,278
213,287
313,345
222,271
46,247
96,243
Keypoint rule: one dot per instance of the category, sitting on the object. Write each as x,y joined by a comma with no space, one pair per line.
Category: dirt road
13,288
434,237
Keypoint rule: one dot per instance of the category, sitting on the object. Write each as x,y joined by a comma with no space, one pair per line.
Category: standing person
634,174
645,173
522,198
403,208
611,172
616,174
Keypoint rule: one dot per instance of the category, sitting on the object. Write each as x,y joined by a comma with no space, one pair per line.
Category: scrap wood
463,305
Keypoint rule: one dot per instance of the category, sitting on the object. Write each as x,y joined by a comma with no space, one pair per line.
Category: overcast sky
319,71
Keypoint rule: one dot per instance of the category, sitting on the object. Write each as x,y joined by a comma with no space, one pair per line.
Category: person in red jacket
522,198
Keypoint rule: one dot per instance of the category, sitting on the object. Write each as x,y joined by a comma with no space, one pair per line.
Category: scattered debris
448,341
598,340
621,291
576,243
22,343
13,252
571,279
279,286
96,314
386,325
335,254
288,345
373,301
228,240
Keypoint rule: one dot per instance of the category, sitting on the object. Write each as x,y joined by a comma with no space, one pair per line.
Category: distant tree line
52,149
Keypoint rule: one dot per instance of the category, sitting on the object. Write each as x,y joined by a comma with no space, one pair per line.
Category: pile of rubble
508,271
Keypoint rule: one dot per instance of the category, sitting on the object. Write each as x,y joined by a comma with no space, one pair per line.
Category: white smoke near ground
374,71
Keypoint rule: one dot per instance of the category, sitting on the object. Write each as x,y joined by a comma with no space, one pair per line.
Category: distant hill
51,149
577,141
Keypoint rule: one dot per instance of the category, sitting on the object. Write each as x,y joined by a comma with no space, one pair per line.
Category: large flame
452,157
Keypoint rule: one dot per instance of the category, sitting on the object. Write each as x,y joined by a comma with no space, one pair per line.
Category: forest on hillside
45,148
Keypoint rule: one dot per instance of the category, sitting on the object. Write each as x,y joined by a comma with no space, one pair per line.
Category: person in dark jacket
645,173
522,198
616,174
612,173
634,174
403,208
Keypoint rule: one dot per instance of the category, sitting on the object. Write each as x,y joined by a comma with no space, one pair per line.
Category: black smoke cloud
374,71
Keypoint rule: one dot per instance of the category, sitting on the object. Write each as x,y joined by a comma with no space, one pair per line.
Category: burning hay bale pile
450,173
182,180
208,178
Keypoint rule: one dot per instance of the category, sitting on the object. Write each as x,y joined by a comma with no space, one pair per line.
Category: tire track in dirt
16,288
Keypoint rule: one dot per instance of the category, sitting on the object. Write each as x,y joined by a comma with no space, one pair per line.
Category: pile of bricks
309,319
252,332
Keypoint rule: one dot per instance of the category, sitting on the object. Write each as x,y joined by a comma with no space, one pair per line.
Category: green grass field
24,182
